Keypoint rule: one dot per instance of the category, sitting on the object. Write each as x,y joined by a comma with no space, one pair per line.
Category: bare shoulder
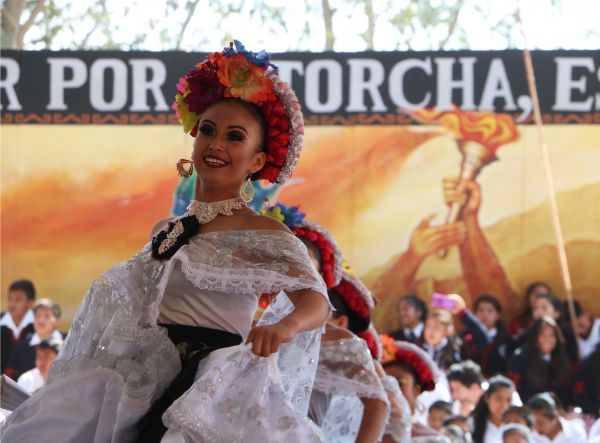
160,225
333,333
267,223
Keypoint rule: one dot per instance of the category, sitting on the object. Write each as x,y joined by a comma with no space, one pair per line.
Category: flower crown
316,235
238,73
355,295
426,369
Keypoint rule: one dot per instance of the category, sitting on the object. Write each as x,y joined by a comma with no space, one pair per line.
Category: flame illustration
486,128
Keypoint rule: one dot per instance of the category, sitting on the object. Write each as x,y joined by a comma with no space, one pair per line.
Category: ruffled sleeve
398,425
346,367
249,262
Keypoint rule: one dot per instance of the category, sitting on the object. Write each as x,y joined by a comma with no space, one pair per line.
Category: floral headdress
316,235
373,342
238,73
426,369
355,295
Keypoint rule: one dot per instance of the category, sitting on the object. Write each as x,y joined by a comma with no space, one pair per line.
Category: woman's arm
311,311
373,420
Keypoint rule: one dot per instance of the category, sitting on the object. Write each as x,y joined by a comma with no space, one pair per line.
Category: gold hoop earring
247,191
182,170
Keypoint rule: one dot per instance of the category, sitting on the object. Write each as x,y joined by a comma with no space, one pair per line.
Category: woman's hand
267,339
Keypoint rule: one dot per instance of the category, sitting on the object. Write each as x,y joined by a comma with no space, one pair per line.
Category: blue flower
261,59
292,216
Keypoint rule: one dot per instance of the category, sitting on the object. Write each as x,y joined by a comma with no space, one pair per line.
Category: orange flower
244,80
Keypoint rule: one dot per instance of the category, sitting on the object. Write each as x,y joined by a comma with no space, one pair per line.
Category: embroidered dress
345,374
116,360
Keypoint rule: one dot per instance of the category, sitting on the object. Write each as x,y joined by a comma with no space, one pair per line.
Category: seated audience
588,329
465,379
45,325
45,354
438,412
412,312
549,423
586,391
542,363
523,321
440,340
487,415
516,433
17,322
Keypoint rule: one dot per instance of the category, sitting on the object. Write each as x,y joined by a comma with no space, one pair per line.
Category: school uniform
11,334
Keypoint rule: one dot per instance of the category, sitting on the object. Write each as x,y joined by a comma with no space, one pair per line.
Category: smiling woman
137,341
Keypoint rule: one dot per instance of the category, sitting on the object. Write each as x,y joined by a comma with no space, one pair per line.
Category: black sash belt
193,343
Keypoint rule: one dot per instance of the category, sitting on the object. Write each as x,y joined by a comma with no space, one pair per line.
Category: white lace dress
116,361
345,374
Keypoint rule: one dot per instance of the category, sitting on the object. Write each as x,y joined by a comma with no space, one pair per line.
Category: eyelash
232,135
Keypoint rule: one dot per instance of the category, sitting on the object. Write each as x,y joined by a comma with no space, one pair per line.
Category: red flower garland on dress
328,258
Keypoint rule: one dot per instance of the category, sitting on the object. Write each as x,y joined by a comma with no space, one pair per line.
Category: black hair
23,285
466,373
49,304
576,307
356,323
538,371
555,302
501,331
545,404
441,405
532,287
488,298
521,411
416,303
481,412
406,367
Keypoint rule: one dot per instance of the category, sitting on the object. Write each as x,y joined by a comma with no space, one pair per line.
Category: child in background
440,340
522,322
516,433
412,312
465,379
542,363
45,354
550,424
437,414
17,322
548,305
588,328
586,391
487,416
45,324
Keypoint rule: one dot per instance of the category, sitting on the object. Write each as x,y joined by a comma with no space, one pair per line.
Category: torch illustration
478,136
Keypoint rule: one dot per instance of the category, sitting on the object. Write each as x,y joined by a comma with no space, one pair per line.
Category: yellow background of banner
77,199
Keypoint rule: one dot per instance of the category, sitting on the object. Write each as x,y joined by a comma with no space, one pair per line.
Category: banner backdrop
89,144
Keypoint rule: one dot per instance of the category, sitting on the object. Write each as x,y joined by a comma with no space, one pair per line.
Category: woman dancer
136,345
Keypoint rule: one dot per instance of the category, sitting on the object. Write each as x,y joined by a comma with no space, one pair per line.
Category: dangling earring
247,191
181,168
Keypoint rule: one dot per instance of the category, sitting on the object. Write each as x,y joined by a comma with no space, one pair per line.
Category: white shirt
36,340
493,433
587,345
571,433
595,429
31,380
8,321
418,330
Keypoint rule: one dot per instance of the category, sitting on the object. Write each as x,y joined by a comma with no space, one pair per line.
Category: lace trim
346,368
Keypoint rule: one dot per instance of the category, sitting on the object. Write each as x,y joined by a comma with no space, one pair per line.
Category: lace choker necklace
178,233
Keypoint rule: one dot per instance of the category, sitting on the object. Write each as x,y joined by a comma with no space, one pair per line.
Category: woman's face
486,313
498,402
434,331
546,341
542,307
226,149
408,385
